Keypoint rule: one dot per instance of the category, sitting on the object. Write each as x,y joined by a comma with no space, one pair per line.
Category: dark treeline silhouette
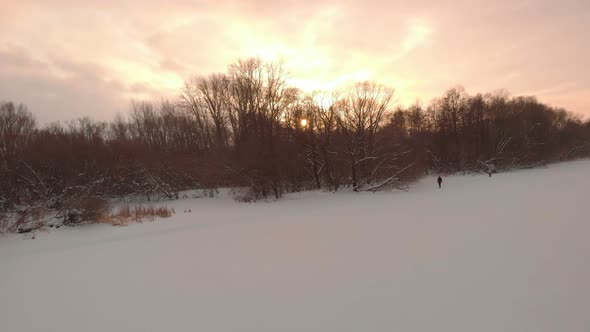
249,128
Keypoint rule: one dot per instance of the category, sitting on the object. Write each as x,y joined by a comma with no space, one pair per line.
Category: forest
248,128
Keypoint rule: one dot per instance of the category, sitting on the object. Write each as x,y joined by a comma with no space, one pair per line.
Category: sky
67,59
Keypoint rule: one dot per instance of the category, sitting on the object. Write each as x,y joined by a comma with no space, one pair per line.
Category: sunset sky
67,58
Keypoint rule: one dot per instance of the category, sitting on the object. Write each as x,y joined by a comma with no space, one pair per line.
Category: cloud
418,34
62,90
66,59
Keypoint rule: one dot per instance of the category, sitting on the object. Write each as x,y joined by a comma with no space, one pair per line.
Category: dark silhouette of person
439,181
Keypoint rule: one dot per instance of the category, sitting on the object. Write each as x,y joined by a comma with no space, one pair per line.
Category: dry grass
92,210
127,215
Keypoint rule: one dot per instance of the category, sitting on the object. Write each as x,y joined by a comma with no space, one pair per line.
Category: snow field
509,253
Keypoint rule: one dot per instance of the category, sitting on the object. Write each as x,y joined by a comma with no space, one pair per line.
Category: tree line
249,128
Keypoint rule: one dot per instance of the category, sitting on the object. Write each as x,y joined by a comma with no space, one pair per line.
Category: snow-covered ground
509,253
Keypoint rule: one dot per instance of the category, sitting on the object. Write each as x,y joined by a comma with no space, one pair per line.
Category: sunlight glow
146,50
418,34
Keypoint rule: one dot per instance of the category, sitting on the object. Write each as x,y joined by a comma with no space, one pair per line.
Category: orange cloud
420,49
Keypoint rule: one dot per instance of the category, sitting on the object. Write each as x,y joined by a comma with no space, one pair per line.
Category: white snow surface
509,253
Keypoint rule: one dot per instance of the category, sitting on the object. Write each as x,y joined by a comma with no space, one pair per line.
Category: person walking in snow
439,181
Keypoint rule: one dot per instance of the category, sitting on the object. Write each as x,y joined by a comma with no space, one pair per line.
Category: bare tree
361,115
16,129
207,99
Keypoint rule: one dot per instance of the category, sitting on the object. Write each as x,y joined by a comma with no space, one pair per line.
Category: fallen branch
391,178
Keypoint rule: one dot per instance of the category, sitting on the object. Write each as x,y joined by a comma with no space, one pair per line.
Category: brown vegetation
245,128
138,214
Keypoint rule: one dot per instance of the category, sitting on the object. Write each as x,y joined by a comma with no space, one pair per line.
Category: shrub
86,209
